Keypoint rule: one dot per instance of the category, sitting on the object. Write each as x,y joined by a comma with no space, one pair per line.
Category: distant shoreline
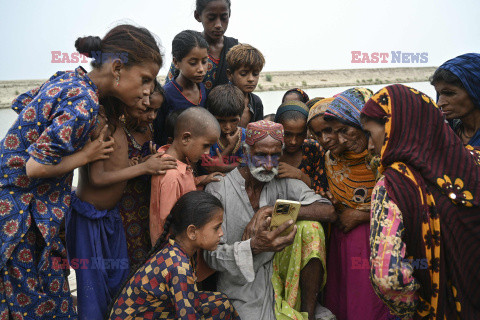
278,80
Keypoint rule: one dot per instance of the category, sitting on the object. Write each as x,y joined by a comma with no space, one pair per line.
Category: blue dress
174,100
54,121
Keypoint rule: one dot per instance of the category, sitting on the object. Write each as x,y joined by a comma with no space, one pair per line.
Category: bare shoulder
101,122
119,157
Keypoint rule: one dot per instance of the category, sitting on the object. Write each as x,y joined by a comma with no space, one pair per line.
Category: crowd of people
171,215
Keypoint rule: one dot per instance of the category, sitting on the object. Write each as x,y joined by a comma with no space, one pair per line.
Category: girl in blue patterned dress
38,156
164,287
189,51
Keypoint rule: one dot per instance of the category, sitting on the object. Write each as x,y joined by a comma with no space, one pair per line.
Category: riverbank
279,80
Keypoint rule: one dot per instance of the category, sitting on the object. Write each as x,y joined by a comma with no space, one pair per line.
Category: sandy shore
278,80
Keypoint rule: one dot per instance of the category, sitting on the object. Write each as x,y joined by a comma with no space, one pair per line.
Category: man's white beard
261,174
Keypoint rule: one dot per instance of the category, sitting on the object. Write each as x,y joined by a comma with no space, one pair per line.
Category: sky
293,35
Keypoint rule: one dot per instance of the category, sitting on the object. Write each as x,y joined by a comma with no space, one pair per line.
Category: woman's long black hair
193,208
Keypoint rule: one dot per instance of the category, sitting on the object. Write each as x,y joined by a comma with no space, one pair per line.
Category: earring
118,79
194,238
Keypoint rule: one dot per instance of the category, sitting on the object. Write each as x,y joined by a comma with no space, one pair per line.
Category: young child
226,104
94,229
214,15
244,66
167,289
133,206
189,51
196,130
170,125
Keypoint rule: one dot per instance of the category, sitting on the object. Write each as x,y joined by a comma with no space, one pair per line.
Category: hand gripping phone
283,211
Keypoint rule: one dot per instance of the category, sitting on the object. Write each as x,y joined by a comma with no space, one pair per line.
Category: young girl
164,287
214,15
39,154
302,158
94,229
189,50
133,206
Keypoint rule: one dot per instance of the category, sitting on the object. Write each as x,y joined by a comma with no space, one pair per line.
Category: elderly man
264,275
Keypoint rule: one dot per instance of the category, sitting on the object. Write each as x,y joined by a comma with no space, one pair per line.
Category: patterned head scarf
467,68
319,108
293,105
257,131
347,106
310,103
433,179
300,92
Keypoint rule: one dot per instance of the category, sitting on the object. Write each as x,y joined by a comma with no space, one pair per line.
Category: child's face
214,18
208,236
228,125
295,131
135,82
194,65
245,79
145,117
198,146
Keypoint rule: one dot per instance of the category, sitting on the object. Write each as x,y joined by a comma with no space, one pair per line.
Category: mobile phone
284,210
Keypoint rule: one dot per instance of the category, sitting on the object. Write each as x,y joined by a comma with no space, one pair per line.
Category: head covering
434,180
257,131
292,105
347,106
311,102
467,68
319,108
302,93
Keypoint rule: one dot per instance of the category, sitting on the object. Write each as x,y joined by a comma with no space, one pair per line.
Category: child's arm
155,165
287,171
184,292
92,151
206,179
216,164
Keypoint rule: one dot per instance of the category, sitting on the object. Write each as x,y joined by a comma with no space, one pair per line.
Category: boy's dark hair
133,45
443,75
244,55
226,100
185,41
196,120
170,123
200,5
193,208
